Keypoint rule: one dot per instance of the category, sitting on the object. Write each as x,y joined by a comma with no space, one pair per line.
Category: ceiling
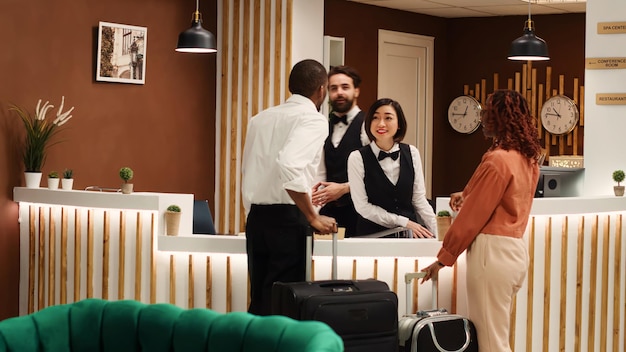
481,8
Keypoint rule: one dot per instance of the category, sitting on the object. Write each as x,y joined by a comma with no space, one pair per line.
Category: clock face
464,114
559,115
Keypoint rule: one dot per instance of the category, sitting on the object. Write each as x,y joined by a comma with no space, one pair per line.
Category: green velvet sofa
94,325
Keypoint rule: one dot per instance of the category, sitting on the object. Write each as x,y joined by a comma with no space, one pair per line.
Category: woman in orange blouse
494,208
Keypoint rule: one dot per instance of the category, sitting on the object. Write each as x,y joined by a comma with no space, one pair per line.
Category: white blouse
391,168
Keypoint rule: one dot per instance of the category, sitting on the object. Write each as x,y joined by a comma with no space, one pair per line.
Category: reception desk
573,298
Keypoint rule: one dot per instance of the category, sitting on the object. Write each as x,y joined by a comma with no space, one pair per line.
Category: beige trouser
496,268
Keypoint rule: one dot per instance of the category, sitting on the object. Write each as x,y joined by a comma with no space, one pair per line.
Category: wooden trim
153,266
267,27
563,307
546,283
42,258
31,259
90,268
229,286
580,247
172,280
354,271
455,288
617,283
138,256
278,45
63,293
220,139
245,96
190,284
395,275
604,299
288,44
51,257
122,257
105,255
234,117
531,281
209,284
77,254
375,269
593,267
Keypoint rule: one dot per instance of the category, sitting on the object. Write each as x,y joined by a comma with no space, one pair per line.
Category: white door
405,74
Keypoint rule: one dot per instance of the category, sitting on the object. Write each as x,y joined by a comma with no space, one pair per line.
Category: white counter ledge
349,247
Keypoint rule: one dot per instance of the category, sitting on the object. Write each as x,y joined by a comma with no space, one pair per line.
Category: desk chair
202,219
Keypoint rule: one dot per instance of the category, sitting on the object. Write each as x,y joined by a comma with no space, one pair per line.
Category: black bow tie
336,119
393,155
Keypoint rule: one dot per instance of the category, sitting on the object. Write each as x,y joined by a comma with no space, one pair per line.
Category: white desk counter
573,298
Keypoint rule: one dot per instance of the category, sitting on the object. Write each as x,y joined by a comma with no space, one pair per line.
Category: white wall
605,125
308,30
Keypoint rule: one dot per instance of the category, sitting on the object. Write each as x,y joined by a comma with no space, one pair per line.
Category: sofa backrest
94,325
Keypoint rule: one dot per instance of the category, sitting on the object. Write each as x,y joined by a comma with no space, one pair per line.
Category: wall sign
611,27
603,63
611,99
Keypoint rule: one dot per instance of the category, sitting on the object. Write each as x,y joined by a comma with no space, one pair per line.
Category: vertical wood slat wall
536,94
573,298
254,57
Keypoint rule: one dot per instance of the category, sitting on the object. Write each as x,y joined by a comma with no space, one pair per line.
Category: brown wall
164,129
466,51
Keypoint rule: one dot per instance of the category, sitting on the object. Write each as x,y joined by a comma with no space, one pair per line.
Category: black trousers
276,247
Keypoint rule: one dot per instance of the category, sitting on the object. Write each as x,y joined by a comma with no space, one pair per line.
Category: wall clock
559,115
464,114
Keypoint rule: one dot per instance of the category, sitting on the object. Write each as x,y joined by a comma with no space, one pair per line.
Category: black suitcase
434,330
363,312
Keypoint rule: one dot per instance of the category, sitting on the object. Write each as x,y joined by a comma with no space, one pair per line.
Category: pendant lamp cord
196,15
529,22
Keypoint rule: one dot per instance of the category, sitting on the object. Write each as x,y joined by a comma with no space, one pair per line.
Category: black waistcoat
380,191
336,159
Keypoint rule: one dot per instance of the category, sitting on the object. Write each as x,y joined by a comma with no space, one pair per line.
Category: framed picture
121,53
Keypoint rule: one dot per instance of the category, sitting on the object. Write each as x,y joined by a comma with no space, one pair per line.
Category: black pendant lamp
196,39
529,47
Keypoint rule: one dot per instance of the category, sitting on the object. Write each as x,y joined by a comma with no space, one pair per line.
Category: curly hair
507,116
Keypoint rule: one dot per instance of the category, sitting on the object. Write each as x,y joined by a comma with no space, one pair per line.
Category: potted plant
172,220
68,179
618,176
39,132
126,174
53,180
444,220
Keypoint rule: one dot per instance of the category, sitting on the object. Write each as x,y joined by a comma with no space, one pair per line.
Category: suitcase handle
309,257
441,349
408,278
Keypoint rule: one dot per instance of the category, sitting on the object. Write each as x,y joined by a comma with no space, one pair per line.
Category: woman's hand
432,271
324,192
418,230
456,201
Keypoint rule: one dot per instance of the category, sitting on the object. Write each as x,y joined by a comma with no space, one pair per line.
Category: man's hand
324,192
324,224
456,201
418,230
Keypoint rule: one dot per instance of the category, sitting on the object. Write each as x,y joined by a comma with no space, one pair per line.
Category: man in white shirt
347,133
281,156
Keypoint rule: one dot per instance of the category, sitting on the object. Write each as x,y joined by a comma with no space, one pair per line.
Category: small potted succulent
67,183
126,174
172,220
53,180
618,176
444,220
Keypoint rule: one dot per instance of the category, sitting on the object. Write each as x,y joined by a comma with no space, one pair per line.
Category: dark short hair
306,77
400,133
348,71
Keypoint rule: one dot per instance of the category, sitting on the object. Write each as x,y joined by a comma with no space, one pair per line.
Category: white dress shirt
282,152
339,130
391,168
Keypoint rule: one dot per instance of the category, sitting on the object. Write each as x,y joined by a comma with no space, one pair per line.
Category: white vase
67,183
53,183
33,179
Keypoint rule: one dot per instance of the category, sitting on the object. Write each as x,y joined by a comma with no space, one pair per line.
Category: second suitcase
434,330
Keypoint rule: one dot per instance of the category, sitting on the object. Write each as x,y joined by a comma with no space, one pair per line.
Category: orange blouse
496,200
